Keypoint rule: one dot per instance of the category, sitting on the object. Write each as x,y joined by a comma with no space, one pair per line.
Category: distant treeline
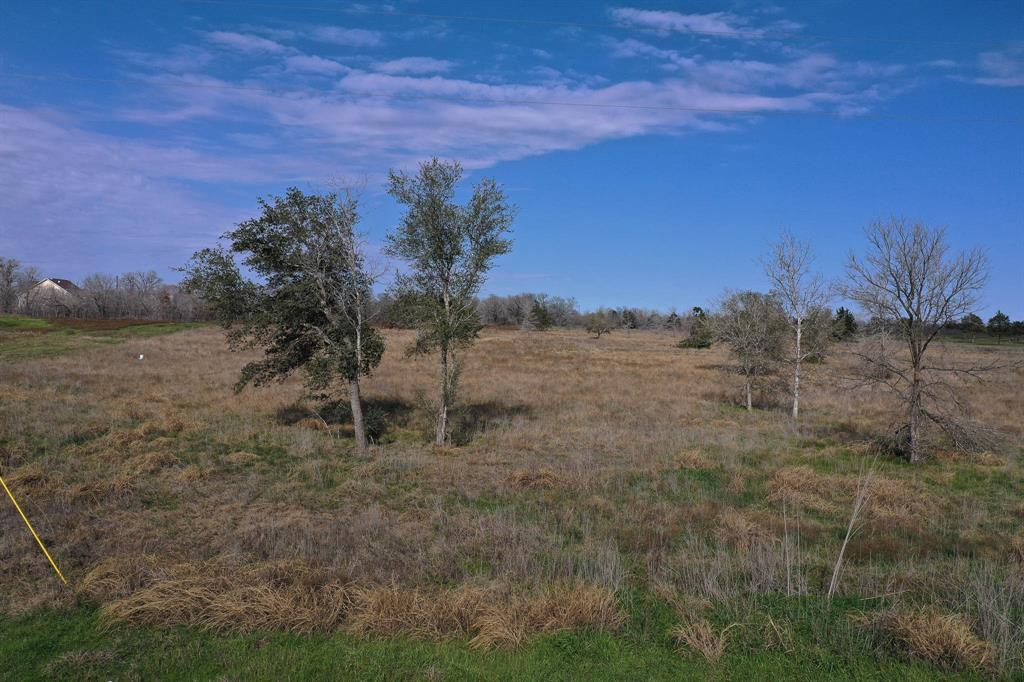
144,295
132,295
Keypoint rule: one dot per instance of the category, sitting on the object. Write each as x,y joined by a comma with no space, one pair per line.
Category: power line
507,101
754,35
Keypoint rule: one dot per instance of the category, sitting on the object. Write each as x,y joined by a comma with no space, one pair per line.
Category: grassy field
608,512
25,338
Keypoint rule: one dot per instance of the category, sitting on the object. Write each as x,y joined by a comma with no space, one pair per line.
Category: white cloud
312,64
278,130
99,197
1002,68
414,65
245,42
353,37
664,22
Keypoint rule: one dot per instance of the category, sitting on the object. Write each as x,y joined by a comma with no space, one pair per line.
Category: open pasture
606,502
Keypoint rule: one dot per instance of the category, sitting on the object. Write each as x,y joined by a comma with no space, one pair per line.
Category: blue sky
133,133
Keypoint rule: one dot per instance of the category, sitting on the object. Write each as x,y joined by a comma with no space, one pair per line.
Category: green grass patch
30,338
73,645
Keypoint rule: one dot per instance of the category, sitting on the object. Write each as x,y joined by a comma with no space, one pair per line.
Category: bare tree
908,279
753,326
101,292
802,293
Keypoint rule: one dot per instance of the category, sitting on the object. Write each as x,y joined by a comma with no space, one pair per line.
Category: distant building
52,297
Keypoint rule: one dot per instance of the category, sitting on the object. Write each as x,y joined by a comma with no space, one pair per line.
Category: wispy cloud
97,195
353,37
304,63
414,65
276,128
665,22
1002,68
245,42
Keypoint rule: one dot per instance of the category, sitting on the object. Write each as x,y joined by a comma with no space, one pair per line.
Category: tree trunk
796,378
441,432
915,418
358,423
750,403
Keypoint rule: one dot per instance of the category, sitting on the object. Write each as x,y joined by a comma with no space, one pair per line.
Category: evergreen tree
999,324
844,325
540,317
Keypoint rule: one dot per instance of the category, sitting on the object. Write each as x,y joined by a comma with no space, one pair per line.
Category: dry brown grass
701,637
580,607
167,498
944,639
891,503
226,595
218,596
534,480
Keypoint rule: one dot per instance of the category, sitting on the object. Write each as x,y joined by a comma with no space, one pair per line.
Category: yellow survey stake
33,531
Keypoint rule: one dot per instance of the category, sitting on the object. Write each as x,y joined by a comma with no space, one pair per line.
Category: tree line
132,295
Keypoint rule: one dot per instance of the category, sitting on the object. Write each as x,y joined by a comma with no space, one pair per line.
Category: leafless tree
803,294
908,279
101,293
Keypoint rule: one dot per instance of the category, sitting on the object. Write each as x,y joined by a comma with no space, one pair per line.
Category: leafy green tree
844,325
308,306
598,323
999,324
972,323
449,249
540,318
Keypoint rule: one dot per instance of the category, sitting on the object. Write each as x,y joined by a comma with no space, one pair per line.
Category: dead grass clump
492,617
538,479
241,458
152,462
193,473
699,636
736,529
802,487
116,487
693,459
902,504
119,577
389,611
899,503
581,607
943,639
33,475
222,597
122,438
